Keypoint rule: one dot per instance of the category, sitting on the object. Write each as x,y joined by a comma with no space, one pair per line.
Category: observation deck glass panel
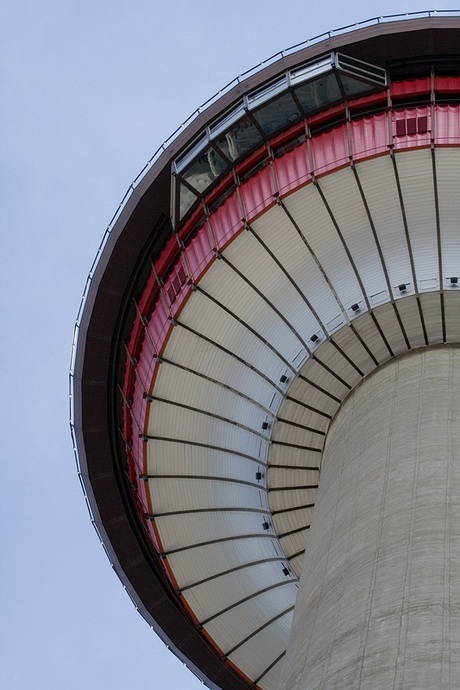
278,114
187,199
354,87
266,112
239,139
318,93
205,170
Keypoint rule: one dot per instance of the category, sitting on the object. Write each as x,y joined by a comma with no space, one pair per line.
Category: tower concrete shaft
378,604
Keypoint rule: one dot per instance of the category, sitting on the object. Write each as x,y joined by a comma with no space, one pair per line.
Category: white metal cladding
288,247
415,172
347,208
314,221
449,211
380,191
244,395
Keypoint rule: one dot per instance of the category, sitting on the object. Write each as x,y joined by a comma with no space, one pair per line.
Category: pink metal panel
257,193
167,257
226,221
369,136
447,84
292,169
411,127
413,87
447,124
146,364
330,150
176,288
199,253
158,326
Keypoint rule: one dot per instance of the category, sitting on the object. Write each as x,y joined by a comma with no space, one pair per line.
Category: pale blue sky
89,90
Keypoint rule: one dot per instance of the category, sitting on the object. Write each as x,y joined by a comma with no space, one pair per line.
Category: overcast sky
89,90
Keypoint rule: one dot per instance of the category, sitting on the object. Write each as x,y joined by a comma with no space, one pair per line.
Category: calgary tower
266,371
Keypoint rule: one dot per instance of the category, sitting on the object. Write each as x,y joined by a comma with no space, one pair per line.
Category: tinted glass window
278,114
239,139
354,87
186,200
204,170
318,93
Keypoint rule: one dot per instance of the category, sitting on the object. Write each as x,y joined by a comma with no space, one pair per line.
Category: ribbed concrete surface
379,599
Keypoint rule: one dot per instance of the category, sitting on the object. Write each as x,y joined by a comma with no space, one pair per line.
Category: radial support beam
378,598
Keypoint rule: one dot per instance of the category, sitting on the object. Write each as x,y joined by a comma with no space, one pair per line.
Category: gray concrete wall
379,598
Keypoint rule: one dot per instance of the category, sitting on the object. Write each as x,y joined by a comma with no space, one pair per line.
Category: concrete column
379,598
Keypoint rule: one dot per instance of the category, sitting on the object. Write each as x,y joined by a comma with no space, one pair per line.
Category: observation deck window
205,169
186,200
298,92
240,139
319,93
277,114
353,88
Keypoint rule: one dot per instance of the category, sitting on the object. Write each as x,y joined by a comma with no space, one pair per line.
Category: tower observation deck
265,371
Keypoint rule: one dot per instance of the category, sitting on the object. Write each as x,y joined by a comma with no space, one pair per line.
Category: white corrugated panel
371,335
272,678
229,289
298,516
310,213
412,323
448,181
287,477
188,494
391,328
211,598
176,385
290,455
203,562
301,415
353,347
209,319
452,312
169,457
188,350
319,375
273,283
188,425
280,501
308,394
345,201
195,527
331,357
282,238
295,542
289,433
260,651
232,628
381,193
431,307
416,179
293,521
